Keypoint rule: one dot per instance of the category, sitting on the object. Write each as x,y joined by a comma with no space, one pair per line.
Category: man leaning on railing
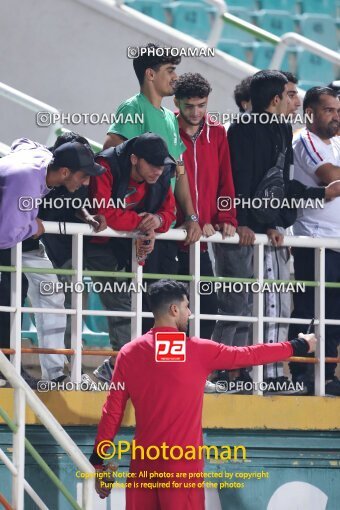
27,174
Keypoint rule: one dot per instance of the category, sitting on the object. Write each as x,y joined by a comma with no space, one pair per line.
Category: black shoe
221,375
333,387
281,386
307,388
245,383
59,379
31,381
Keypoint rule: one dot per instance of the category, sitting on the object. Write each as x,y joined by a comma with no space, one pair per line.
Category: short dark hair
290,77
153,61
242,92
163,293
70,136
313,95
192,85
264,86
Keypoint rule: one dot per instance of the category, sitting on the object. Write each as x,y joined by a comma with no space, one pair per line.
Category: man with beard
168,399
317,163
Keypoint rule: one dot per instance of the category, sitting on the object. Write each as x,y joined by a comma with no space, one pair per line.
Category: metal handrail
76,312
281,43
23,393
32,104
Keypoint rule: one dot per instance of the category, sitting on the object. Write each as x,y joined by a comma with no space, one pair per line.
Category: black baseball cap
77,156
153,149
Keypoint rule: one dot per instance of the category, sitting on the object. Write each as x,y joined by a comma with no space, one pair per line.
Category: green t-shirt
161,121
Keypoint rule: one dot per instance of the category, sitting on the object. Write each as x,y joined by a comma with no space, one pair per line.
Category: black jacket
118,159
254,149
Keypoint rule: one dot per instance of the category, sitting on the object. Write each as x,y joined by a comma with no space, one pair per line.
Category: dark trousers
162,260
5,297
103,257
208,302
304,306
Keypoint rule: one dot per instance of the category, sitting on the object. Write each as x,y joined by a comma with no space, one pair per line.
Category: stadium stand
315,19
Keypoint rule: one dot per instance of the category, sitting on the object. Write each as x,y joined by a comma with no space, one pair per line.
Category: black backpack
272,186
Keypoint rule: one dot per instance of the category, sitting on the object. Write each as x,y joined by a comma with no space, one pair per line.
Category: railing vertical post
195,269
77,304
258,310
19,450
15,317
88,494
319,307
136,297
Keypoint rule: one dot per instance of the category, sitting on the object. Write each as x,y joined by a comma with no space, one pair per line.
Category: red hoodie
207,162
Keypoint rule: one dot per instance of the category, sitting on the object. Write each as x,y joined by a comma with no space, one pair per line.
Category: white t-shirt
310,152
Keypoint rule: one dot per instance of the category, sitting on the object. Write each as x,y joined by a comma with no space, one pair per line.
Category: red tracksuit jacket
168,396
207,163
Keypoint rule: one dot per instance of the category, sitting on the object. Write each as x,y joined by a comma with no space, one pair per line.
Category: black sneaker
244,383
31,381
282,386
222,383
308,387
333,387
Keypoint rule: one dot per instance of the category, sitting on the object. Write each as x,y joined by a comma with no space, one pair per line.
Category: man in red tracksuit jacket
168,396
138,172
207,163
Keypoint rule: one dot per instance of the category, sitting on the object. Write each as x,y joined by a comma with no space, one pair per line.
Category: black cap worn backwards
77,156
153,149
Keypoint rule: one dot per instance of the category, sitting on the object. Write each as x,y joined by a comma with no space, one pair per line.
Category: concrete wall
72,54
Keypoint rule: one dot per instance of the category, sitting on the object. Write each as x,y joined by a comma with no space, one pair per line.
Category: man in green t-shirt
140,114
156,75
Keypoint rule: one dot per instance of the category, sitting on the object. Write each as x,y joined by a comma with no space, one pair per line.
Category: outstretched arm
229,358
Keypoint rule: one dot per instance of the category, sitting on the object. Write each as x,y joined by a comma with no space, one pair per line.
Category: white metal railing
30,103
291,39
33,104
283,42
24,394
79,230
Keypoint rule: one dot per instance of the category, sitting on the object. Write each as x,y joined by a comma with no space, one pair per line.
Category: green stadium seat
319,6
320,28
276,22
250,5
305,85
279,5
152,8
233,48
192,18
95,327
231,32
311,67
28,329
262,56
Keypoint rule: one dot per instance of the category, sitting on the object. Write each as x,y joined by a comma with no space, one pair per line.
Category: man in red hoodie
168,398
207,162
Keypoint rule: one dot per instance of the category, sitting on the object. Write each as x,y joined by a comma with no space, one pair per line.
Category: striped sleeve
311,151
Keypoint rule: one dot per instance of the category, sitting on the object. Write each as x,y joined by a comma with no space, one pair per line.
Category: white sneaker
209,387
88,384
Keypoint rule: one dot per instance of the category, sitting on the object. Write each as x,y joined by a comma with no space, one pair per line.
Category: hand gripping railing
22,395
